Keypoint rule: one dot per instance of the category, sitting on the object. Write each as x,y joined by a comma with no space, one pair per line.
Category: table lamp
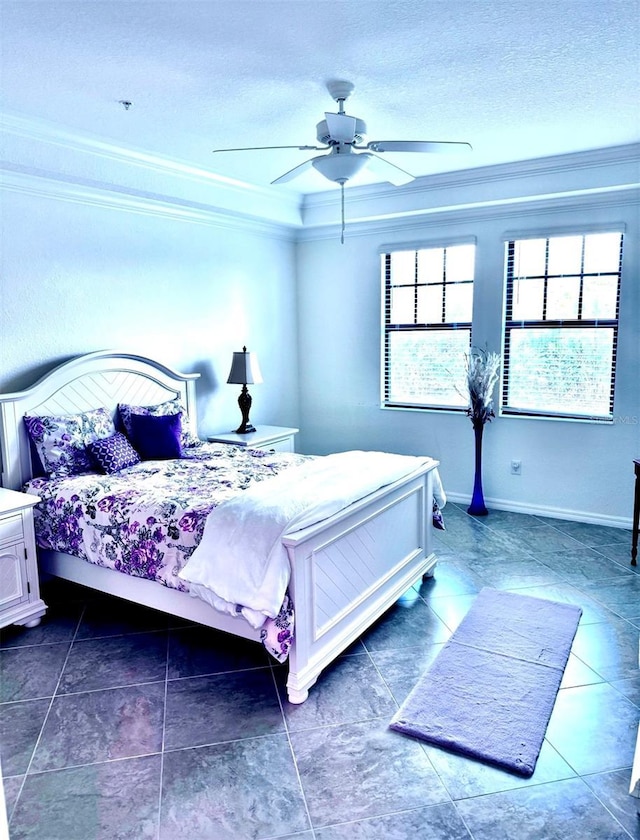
245,370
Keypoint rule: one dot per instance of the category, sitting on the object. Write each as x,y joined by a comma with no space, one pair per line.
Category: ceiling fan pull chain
342,206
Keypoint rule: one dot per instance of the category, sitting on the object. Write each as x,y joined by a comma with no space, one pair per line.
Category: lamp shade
245,369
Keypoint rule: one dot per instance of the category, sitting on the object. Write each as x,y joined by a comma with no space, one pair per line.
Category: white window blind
427,312
561,325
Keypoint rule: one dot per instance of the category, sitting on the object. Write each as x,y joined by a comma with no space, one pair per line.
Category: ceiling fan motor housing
324,136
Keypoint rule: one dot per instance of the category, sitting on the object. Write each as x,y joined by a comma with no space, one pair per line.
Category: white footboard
349,574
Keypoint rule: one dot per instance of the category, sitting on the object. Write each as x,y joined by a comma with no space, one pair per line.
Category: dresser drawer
11,528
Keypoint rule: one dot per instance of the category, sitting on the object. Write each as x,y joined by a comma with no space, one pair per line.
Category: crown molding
230,193
53,186
613,156
606,176
527,206
94,194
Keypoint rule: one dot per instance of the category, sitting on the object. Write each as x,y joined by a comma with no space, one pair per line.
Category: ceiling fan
343,136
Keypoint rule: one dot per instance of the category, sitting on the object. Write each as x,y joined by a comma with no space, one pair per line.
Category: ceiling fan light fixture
340,168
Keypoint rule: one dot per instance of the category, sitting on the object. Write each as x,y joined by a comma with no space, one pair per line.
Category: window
561,325
428,302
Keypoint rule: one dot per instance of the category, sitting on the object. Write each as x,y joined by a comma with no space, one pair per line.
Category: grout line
46,717
291,749
162,742
604,804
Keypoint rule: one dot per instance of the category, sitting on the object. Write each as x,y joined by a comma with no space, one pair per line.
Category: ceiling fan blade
342,127
266,148
444,148
389,171
293,173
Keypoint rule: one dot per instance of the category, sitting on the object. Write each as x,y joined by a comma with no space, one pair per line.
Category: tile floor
117,722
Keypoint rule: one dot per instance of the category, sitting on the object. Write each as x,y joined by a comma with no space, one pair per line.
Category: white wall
577,470
83,275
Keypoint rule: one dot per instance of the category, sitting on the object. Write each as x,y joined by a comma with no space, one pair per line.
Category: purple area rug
490,691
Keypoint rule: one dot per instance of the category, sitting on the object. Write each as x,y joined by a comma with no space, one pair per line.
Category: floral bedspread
146,520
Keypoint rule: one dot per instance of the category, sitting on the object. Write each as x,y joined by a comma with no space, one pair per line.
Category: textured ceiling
518,79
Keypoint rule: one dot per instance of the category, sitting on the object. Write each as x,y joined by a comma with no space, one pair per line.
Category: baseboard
543,510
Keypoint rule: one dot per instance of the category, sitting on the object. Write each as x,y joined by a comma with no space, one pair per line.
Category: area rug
490,691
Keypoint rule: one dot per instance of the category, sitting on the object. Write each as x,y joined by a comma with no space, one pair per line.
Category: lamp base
245,428
244,401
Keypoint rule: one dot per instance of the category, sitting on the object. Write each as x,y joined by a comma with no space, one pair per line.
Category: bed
346,570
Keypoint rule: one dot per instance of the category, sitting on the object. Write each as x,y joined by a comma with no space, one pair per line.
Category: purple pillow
113,454
157,438
170,407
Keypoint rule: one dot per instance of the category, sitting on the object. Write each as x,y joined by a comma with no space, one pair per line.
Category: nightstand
20,601
275,438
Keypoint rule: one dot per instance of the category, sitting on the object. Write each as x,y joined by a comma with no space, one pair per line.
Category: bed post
13,450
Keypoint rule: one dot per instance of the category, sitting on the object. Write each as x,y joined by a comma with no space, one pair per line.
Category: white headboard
96,380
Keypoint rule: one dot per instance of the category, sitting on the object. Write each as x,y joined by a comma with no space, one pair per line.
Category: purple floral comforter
146,520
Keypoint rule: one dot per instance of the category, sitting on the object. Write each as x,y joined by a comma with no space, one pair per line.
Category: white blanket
241,566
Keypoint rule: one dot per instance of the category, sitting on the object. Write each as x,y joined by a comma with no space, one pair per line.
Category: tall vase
477,506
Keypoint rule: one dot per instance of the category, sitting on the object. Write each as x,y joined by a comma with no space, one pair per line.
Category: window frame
510,325
389,328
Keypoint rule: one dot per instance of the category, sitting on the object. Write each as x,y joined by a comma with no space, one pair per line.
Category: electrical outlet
516,467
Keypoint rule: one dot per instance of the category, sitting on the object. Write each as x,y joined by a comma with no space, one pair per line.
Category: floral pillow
161,410
61,442
112,454
97,424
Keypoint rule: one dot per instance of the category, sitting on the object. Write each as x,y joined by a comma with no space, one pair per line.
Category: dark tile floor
117,722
